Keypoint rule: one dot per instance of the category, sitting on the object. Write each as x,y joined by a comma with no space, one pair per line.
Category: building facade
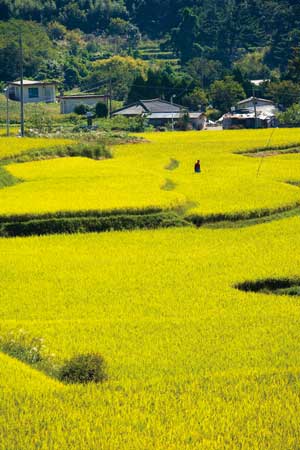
68,103
160,113
34,91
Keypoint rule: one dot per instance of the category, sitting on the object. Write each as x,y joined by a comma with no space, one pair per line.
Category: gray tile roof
176,115
131,110
157,106
148,106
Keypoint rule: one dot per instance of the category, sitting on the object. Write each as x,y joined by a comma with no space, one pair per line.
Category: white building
69,102
34,91
262,105
252,112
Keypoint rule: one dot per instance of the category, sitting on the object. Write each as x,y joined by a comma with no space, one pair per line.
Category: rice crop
230,184
10,146
192,361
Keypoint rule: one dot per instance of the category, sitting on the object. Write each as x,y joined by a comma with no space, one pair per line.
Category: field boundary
243,219
273,150
92,224
62,222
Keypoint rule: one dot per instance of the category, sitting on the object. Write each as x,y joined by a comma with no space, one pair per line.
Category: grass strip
87,150
242,219
271,150
7,179
91,224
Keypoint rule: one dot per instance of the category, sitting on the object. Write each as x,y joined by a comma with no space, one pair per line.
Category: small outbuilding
33,91
197,120
252,112
68,103
261,105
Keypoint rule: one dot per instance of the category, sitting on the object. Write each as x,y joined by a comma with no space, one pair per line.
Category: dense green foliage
96,47
218,28
87,368
70,225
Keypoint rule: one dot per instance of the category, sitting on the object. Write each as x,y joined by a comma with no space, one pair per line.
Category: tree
196,100
284,93
251,65
184,38
4,10
164,83
37,48
291,116
121,70
226,93
204,71
71,77
293,68
56,31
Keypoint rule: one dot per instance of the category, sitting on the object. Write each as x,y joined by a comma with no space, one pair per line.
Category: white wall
68,105
45,93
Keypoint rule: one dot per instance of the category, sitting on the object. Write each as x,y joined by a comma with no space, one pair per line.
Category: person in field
197,167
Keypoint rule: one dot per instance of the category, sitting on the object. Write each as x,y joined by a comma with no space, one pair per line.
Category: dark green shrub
101,110
88,368
81,110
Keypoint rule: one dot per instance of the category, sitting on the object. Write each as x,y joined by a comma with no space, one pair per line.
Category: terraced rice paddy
193,362
137,175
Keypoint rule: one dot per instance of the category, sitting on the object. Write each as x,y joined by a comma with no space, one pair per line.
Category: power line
262,158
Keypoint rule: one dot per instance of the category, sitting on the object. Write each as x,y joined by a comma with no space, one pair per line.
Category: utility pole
254,105
6,92
172,96
110,97
22,82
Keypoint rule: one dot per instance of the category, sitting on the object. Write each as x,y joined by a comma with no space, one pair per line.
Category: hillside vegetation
203,53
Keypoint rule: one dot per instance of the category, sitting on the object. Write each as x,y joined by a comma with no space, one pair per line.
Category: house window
33,92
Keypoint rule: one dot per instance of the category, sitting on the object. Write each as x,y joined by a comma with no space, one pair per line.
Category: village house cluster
252,112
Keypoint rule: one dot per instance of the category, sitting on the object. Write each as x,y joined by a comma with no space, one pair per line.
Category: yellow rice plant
192,361
137,177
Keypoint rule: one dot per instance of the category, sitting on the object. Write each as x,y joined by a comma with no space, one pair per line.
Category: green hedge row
200,220
6,179
269,148
78,214
86,149
91,224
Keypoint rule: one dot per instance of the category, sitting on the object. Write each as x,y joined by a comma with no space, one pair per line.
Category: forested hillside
179,45
220,28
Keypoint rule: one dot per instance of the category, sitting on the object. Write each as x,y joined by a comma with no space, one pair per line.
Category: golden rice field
193,363
137,174
10,146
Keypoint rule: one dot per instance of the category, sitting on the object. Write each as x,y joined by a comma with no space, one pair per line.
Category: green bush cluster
85,368
278,286
199,220
87,150
90,224
21,345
